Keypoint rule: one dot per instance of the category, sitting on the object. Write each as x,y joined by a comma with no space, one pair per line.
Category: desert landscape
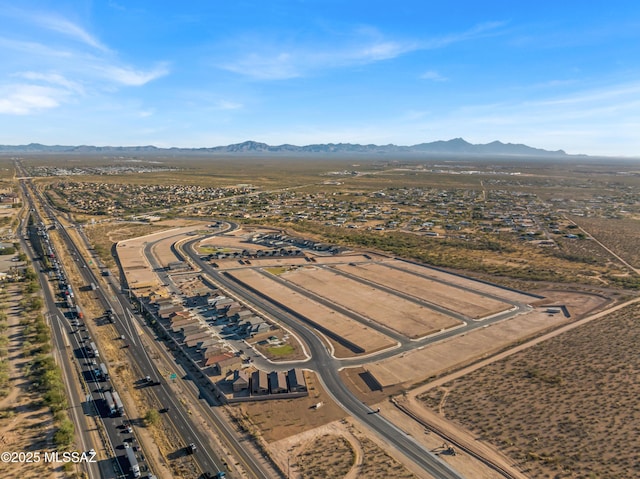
563,408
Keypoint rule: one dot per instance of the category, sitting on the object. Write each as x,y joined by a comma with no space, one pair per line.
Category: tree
152,417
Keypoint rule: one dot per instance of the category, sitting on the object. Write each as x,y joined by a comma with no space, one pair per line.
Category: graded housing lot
462,349
394,274
348,337
408,318
139,273
565,408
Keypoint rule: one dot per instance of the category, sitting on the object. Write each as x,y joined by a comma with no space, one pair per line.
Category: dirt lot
459,350
162,250
341,444
564,408
294,431
103,235
460,281
455,299
131,254
282,418
401,315
366,338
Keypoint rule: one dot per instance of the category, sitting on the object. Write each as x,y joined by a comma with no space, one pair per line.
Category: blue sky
551,74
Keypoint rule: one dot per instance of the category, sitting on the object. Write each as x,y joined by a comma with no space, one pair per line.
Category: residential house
277,382
240,381
296,380
259,382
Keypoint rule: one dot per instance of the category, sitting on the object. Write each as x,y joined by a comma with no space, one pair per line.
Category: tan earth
464,282
451,353
470,304
405,317
25,425
368,339
137,269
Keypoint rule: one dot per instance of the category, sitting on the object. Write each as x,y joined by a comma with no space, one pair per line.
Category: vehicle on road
119,405
131,455
108,397
191,448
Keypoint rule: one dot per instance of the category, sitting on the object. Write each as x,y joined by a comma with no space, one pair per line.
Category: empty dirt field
163,252
472,305
564,408
366,339
134,263
462,349
403,316
341,450
460,281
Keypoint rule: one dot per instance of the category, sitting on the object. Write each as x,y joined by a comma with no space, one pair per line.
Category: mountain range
456,146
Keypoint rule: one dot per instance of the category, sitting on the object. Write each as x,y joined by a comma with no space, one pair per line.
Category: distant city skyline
553,75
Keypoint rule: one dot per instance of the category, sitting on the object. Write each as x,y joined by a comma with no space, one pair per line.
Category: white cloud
33,48
258,58
265,66
229,105
382,51
478,31
68,28
128,76
22,99
52,79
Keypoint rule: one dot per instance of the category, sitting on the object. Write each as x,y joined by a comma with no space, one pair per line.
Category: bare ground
25,425
463,282
453,353
368,339
405,317
338,444
470,304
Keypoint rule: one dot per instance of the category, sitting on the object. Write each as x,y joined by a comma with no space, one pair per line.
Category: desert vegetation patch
564,408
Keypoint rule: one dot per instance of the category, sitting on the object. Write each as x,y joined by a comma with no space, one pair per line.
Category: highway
130,325
139,360
77,373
